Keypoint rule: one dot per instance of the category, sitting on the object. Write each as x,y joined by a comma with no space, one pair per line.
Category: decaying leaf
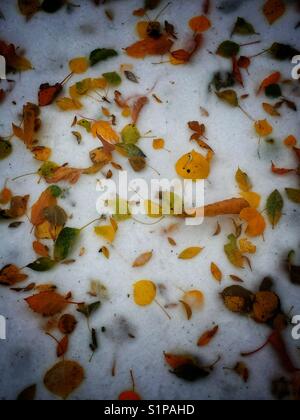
11,275
47,303
238,299
64,378
143,259
233,252
206,338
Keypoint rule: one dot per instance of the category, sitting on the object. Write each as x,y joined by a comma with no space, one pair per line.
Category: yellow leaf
99,83
153,209
246,246
158,144
46,231
79,65
193,166
42,153
253,198
190,253
194,298
142,28
243,181
263,128
256,222
144,292
104,129
68,104
216,272
108,232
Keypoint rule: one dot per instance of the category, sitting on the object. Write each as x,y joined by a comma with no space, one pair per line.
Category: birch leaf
275,206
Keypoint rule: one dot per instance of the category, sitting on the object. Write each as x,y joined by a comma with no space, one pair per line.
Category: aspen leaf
243,181
112,78
194,298
144,292
79,65
105,130
252,198
65,243
129,396
293,195
228,49
256,222
5,196
200,24
229,96
47,303
233,252
27,394
130,134
11,275
40,249
101,54
275,206
206,338
242,370
263,128
190,253
158,144
273,10
143,259
47,199
67,324
64,378
41,153
216,272
193,166
68,104
246,246
107,232
290,141
271,110
42,264
243,27
265,306
272,79
238,299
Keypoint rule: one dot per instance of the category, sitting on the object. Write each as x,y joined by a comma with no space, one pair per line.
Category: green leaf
273,91
56,191
65,242
130,134
113,78
47,169
101,54
243,27
275,205
293,195
131,150
5,149
88,310
233,253
283,51
223,80
85,124
229,96
228,49
42,264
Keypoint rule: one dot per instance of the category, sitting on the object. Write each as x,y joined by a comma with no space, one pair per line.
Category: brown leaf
64,378
206,338
187,308
11,275
47,303
143,259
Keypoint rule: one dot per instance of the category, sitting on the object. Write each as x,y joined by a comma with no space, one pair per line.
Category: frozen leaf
266,305
216,272
275,206
233,252
101,54
231,206
67,324
242,370
193,166
78,136
158,144
55,215
42,265
206,338
243,27
273,10
29,7
263,128
150,46
5,149
27,394
14,62
143,259
47,303
243,181
89,310
238,299
186,367
64,173
271,110
64,378
112,78
200,24
290,141
65,243
41,153
68,104
47,93
144,292
272,79
31,124
182,56
273,91
18,208
40,249
187,308
190,253
222,80
229,96
283,52
79,65
281,171
194,298
228,49
11,275
252,198
246,246
130,134
104,130
256,223
131,76
293,269
152,4
293,195
107,232
47,199
5,195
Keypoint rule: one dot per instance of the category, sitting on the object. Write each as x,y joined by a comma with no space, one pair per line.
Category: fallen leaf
64,378
216,272
275,206
200,24
206,338
190,253
144,292
143,259
11,275
273,10
47,303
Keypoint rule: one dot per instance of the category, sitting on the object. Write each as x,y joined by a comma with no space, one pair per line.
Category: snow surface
50,41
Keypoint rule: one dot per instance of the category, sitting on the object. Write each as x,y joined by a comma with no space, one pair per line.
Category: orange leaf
200,24
105,130
62,346
65,173
263,128
47,303
47,199
41,153
149,46
273,10
175,361
40,249
137,108
5,196
290,141
129,396
206,338
256,222
216,272
11,275
273,79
